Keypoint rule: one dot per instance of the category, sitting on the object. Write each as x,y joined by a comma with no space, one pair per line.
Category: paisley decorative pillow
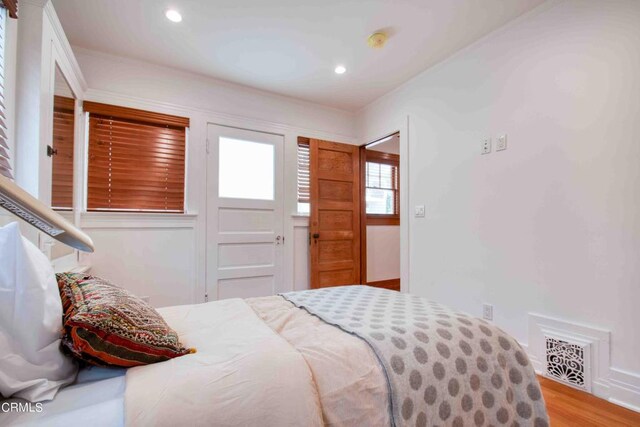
105,325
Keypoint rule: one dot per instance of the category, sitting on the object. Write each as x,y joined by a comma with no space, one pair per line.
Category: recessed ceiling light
340,69
173,15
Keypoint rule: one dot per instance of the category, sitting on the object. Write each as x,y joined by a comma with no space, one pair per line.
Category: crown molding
36,3
64,43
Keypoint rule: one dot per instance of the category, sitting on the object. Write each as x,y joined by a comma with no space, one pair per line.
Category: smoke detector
377,40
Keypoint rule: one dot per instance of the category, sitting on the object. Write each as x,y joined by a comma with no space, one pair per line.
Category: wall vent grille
568,362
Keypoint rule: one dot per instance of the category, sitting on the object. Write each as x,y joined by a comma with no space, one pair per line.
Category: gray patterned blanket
442,367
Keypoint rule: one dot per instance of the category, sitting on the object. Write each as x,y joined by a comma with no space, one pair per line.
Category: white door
244,213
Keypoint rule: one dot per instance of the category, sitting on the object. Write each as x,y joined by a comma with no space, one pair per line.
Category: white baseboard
624,389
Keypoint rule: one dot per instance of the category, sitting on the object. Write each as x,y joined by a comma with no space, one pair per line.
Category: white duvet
243,374
259,362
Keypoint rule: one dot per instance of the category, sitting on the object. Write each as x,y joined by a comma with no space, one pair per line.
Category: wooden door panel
335,213
334,162
335,220
336,278
335,191
334,250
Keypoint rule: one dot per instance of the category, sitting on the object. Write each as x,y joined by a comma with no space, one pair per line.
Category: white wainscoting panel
300,253
150,255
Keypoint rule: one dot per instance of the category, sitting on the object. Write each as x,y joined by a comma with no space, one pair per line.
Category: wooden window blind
5,164
304,192
382,181
63,144
136,160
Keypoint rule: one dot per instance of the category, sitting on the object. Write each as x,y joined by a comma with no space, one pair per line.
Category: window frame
372,156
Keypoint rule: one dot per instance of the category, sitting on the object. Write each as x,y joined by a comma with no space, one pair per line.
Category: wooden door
335,214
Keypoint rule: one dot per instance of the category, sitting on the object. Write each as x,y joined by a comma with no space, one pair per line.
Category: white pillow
31,364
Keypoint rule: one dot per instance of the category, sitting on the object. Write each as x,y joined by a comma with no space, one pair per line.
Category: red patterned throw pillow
105,325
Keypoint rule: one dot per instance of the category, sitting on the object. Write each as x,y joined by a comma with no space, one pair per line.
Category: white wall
162,84
178,275
383,252
552,225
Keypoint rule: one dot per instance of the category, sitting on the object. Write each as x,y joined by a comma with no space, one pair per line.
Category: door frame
402,126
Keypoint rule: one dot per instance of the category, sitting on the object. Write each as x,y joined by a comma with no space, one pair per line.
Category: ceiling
390,144
290,47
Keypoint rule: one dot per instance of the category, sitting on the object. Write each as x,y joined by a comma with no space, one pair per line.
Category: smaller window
246,169
382,181
304,190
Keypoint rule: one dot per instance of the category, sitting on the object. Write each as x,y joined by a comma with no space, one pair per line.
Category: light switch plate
419,211
502,143
487,311
485,146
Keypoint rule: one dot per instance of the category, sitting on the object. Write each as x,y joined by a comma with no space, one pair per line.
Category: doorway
380,212
244,213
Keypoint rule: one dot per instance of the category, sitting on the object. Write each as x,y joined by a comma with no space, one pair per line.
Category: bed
344,356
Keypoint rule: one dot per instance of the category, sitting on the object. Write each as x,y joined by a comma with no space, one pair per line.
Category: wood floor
570,407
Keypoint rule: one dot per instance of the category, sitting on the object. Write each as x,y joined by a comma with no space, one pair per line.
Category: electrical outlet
419,211
485,146
487,311
502,143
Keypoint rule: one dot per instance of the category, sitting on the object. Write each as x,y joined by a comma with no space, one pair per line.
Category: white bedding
243,374
96,399
280,368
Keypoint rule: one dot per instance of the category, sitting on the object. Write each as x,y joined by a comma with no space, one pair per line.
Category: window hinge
207,145
206,297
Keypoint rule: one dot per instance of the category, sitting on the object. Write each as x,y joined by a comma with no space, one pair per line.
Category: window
136,160
382,180
62,173
304,192
5,165
246,169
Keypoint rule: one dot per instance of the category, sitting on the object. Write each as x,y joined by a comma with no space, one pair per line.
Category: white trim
300,221
624,389
64,45
126,220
